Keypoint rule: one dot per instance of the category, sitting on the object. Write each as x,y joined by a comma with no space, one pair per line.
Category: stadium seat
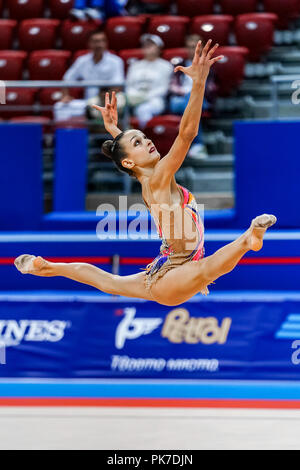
172,29
286,10
60,8
176,55
163,130
229,72
48,64
255,31
50,96
124,32
23,9
11,64
75,34
18,97
37,34
131,55
215,27
193,8
6,33
238,7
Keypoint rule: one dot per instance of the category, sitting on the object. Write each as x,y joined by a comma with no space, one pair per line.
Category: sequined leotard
174,254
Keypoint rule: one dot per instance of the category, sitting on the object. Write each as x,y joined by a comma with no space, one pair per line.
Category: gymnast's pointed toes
264,221
24,263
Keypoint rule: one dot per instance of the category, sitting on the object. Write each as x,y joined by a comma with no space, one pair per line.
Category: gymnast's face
140,151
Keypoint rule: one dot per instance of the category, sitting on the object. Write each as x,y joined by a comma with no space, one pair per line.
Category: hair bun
107,148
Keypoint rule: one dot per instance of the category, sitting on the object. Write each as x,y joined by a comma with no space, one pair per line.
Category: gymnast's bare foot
36,265
258,228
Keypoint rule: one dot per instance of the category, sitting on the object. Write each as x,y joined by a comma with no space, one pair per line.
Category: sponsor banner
234,339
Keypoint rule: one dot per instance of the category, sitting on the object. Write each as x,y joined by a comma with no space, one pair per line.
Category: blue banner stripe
288,335
294,317
222,390
290,326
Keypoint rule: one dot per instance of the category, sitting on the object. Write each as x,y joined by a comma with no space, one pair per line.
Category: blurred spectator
148,81
180,89
98,9
99,64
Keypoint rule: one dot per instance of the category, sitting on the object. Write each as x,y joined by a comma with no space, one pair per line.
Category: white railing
59,84
37,107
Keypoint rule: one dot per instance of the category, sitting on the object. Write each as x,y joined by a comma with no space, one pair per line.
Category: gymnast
180,270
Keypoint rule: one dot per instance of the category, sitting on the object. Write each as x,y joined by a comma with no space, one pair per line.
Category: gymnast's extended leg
180,284
129,286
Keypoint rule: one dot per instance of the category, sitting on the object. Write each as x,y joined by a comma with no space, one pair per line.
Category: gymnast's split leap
180,270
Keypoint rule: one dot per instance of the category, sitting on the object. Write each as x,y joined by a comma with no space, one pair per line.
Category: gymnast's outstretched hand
202,62
110,114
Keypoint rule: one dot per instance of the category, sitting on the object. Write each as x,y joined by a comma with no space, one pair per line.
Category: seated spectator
180,89
148,81
98,9
99,64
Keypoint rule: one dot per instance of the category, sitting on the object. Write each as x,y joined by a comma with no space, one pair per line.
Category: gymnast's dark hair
113,149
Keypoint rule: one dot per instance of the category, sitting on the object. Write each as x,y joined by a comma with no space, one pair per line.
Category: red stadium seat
172,29
193,8
6,33
23,9
215,27
229,72
286,10
11,64
124,32
176,55
75,34
48,64
238,7
18,97
131,55
37,34
255,31
60,8
50,96
163,130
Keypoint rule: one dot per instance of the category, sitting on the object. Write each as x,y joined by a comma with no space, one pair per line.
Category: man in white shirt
99,64
148,81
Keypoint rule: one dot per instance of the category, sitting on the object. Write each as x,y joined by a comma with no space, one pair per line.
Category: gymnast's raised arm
189,126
